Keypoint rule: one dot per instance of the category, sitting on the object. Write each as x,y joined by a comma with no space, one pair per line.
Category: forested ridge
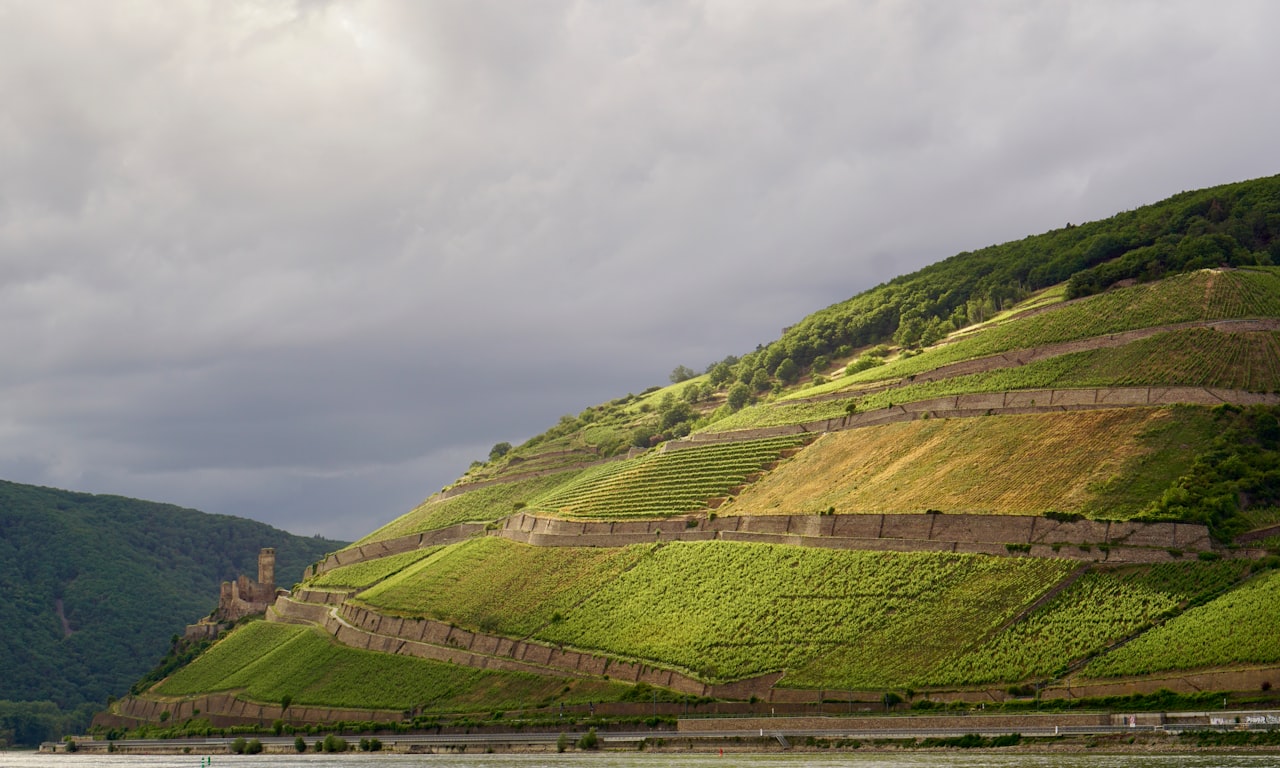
95,587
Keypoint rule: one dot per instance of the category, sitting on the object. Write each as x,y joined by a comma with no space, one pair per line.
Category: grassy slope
369,572
1099,609
658,484
492,584
1106,463
1241,627
482,504
270,661
721,610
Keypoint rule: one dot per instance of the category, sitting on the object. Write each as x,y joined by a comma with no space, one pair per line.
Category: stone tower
267,571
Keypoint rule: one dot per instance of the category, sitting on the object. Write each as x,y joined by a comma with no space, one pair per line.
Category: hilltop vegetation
1230,225
961,480
97,586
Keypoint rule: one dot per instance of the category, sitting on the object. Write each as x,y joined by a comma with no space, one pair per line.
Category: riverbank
995,736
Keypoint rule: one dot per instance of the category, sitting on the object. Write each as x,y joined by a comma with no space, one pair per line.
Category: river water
657,760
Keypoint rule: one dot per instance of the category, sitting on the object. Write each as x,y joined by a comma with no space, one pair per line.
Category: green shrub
589,740
1063,517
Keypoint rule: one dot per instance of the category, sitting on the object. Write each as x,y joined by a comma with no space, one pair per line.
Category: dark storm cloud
304,261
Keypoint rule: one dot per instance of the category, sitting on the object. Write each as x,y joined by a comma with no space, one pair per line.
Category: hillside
995,476
97,585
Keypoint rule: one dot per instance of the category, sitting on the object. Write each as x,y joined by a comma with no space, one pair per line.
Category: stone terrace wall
1242,679
1115,542
224,710
514,477
425,638
999,403
376,549
1112,542
1020,357
974,723
288,611
359,627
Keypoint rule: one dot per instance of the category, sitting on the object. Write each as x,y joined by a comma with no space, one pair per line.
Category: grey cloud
304,261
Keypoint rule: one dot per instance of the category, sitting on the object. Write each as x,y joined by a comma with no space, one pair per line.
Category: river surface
667,760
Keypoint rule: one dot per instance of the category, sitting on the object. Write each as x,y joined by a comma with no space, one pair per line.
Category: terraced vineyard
1196,357
1107,463
660,484
482,504
1192,297
369,572
1099,609
793,624
270,661
729,611
495,585
1241,627
1193,357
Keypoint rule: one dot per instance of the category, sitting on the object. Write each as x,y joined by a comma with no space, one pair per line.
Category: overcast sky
304,261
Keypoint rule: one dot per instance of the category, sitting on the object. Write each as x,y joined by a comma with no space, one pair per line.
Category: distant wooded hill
95,587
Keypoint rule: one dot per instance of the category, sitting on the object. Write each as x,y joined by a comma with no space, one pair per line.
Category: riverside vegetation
1156,331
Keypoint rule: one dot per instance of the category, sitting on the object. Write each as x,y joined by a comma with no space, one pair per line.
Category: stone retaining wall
1019,357
514,477
224,710
1243,679
360,627
1022,402
1092,540
385,547
288,611
975,723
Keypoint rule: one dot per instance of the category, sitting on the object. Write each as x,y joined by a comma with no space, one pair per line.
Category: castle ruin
240,598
